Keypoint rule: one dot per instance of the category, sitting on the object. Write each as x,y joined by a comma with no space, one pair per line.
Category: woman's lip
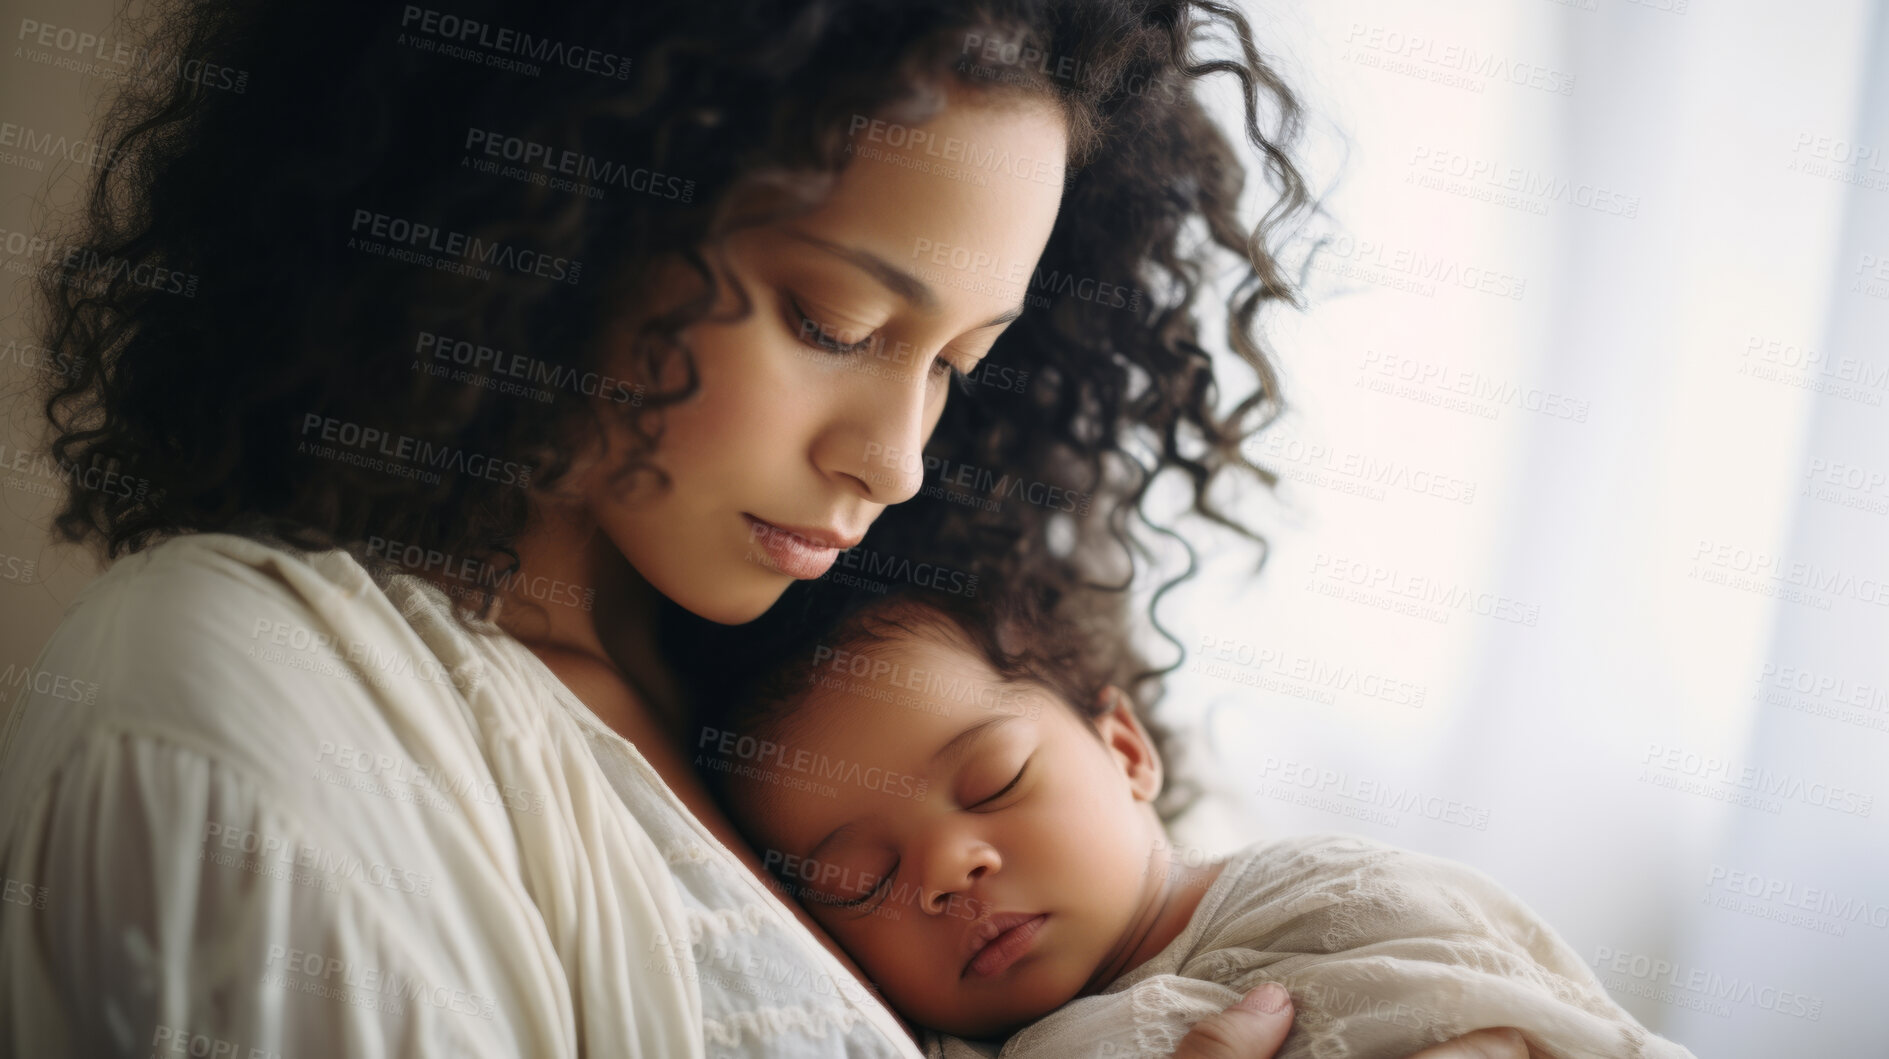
998,954
789,552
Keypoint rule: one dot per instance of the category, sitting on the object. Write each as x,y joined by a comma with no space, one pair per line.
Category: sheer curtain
1578,570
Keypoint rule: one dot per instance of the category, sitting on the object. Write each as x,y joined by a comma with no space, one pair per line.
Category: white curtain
1579,570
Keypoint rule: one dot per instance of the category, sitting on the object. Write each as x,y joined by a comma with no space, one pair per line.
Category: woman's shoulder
226,645
192,583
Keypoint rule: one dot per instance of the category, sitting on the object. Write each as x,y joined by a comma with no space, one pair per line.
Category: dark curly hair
250,185
1071,659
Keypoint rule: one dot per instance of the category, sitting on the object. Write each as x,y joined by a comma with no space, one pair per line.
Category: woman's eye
819,336
941,367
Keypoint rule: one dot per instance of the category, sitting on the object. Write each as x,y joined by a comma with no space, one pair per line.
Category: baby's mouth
1000,941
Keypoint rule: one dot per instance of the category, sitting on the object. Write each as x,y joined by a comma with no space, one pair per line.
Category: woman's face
813,411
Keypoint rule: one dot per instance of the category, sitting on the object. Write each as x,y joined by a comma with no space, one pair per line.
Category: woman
583,316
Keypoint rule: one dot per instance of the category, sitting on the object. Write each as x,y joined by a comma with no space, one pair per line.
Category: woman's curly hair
346,121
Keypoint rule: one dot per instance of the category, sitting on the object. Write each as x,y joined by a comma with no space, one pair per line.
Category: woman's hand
1256,1026
1253,1028
1503,1043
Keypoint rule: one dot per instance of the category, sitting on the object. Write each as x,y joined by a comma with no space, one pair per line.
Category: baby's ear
1128,743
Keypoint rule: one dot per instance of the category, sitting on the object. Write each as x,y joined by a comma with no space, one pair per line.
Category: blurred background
1578,568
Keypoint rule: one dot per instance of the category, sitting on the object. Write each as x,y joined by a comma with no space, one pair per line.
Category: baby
979,833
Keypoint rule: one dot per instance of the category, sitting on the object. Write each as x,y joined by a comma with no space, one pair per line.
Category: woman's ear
1128,744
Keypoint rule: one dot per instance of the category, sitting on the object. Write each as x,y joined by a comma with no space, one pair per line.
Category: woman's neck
576,594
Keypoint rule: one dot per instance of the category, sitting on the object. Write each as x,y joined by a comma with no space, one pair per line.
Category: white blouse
255,803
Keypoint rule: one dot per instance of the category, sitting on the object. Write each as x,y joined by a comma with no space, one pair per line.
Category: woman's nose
877,438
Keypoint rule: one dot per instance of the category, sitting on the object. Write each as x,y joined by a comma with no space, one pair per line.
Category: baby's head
958,808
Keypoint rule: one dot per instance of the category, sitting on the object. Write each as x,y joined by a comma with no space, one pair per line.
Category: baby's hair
1069,659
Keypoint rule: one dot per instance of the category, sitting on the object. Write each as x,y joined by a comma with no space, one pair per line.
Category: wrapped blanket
1384,951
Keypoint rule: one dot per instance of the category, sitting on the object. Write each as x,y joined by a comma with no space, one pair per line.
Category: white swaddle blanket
1384,951
299,813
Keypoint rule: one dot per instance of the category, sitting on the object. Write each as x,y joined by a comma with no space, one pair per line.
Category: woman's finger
1253,1028
1502,1043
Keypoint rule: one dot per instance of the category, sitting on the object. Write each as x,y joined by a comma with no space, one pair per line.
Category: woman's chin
735,600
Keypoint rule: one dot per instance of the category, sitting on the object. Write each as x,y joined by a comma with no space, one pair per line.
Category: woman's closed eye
819,336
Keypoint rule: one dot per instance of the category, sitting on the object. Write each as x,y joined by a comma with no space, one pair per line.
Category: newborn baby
988,852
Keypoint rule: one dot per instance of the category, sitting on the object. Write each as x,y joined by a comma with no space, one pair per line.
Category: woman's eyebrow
893,278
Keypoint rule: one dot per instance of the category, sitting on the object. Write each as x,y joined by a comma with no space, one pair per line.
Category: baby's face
975,846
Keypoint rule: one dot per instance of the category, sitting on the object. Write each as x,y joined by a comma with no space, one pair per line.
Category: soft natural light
1578,571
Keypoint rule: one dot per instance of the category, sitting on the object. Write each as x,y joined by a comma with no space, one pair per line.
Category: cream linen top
254,802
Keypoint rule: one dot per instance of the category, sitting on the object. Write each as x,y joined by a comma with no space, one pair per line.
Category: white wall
1687,222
